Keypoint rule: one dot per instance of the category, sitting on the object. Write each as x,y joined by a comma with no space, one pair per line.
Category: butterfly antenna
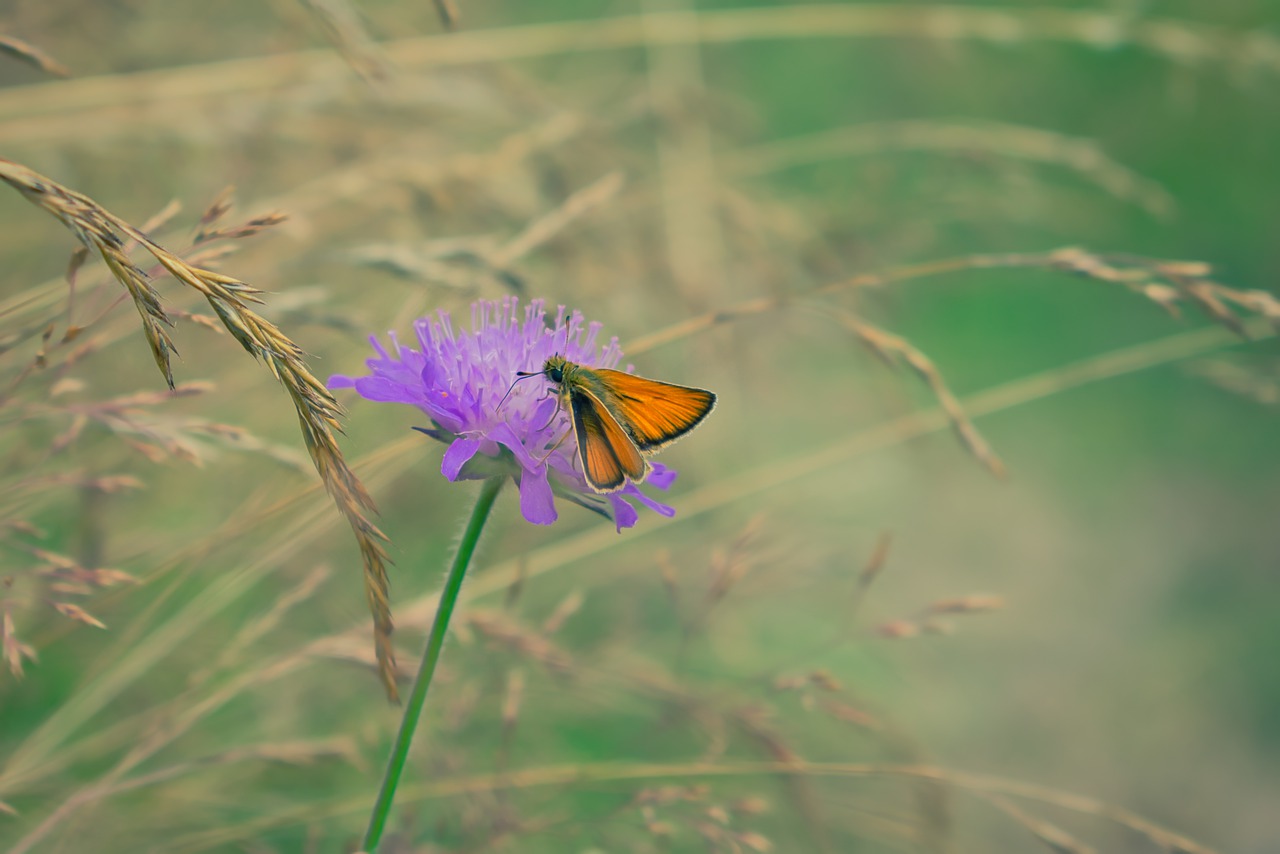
520,375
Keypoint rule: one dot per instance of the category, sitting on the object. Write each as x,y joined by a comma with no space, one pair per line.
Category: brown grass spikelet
926,620
717,813
69,572
654,826
897,629
1054,837
729,566
78,614
671,794
215,210
14,650
516,587
850,714
99,230
877,559
547,226
318,411
568,606
507,633
513,699
894,349
1260,385
248,228
448,12
966,604
32,55
343,26
297,752
824,681
112,483
754,841
1081,155
1169,283
750,805
721,838
790,683
871,570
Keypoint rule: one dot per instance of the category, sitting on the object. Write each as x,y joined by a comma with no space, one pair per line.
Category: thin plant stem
427,669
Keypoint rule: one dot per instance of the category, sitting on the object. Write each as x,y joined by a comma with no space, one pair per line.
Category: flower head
459,379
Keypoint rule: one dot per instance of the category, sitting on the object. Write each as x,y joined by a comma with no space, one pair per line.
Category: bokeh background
1088,640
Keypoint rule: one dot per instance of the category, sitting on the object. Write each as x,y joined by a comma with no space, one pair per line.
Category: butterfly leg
551,420
558,443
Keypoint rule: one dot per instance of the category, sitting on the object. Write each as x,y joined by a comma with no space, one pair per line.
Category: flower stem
413,707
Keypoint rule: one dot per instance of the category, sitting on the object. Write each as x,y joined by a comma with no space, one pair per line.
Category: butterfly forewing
656,413
608,454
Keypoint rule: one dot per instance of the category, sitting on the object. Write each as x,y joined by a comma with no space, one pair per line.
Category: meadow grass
188,663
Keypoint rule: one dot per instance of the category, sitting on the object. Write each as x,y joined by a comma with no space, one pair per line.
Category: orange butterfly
619,418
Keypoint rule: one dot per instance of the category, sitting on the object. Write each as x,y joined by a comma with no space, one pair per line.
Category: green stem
413,708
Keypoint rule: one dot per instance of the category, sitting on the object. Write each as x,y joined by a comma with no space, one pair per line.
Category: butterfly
620,418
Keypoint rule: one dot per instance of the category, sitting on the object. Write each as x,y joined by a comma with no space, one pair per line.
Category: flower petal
633,492
661,477
458,455
536,502
624,515
384,390
505,436
341,381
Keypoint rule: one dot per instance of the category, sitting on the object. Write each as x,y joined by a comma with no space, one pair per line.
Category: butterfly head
554,368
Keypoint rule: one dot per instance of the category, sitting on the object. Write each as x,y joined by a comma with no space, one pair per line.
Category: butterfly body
619,418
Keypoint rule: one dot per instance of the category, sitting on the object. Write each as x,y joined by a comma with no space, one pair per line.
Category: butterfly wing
608,454
654,413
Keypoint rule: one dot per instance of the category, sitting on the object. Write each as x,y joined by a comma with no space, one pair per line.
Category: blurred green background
649,162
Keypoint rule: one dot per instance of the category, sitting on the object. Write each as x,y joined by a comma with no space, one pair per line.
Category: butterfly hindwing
608,454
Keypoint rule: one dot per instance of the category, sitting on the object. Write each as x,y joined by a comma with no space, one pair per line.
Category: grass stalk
593,774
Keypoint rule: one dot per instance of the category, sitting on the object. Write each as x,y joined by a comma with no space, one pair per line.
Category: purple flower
459,379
